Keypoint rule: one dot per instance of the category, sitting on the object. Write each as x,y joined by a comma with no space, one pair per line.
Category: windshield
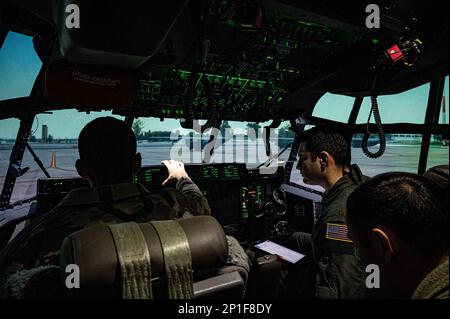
236,142
54,139
19,66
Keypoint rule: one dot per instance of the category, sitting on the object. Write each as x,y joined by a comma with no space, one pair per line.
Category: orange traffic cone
53,160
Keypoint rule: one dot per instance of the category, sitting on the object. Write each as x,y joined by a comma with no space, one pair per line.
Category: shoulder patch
337,232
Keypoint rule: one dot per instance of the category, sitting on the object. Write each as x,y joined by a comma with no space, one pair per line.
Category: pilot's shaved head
107,148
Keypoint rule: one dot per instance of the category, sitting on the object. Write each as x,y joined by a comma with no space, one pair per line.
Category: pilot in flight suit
114,198
339,271
331,268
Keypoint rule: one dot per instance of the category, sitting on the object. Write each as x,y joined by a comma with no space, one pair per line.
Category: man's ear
81,169
323,159
383,243
137,162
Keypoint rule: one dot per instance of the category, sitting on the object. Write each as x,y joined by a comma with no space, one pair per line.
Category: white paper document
284,253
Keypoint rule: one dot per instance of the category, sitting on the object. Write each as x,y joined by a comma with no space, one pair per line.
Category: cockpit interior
279,66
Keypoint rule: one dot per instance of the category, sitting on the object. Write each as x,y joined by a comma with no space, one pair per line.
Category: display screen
276,249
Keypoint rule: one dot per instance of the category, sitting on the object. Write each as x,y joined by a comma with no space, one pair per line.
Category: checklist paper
284,253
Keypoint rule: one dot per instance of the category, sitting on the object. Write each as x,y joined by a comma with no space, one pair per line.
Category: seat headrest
94,252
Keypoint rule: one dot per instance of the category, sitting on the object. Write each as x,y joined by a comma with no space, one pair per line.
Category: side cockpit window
334,107
406,107
402,149
438,152
19,66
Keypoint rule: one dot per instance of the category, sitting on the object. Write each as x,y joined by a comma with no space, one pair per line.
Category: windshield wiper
23,201
15,161
270,159
37,160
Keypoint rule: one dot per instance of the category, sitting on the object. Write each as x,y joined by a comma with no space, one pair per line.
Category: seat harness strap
134,259
177,259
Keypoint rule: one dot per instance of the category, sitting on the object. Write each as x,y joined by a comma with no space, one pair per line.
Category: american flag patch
337,232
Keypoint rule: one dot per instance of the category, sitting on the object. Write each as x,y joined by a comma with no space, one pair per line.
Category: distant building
371,141
44,138
406,138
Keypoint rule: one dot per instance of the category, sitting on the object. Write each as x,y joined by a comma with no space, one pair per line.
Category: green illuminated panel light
210,172
259,193
307,24
167,111
243,203
232,80
230,171
148,177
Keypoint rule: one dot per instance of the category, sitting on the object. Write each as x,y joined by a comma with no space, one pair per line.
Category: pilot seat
176,259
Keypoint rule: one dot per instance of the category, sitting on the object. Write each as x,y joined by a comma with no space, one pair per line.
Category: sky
19,66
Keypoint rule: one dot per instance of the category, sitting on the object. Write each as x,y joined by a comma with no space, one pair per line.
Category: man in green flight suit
336,271
109,160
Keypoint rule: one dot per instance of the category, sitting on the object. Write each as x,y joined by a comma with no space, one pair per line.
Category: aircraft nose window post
228,155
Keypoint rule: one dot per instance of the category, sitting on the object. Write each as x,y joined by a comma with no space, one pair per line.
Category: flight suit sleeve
339,271
237,260
186,199
19,254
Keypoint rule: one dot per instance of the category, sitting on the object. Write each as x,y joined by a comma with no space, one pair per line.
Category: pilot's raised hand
176,170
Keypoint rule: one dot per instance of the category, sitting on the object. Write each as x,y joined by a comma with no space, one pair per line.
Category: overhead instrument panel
164,93
241,62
